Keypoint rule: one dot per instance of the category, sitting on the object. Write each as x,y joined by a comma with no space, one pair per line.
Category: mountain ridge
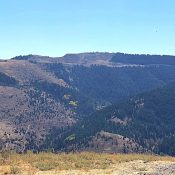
83,58
41,94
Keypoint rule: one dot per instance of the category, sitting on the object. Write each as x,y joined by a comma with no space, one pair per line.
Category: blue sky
56,27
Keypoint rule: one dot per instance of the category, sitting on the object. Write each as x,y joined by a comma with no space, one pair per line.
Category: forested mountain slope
147,119
41,94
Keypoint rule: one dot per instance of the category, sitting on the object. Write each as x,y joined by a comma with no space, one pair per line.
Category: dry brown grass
31,163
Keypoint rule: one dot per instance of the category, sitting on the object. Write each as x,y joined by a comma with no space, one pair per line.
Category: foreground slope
86,163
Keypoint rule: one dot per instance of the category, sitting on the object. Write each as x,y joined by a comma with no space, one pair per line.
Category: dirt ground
126,168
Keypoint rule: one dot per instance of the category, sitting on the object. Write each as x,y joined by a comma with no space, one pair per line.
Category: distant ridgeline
143,59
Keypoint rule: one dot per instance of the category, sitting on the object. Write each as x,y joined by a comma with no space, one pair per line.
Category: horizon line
90,52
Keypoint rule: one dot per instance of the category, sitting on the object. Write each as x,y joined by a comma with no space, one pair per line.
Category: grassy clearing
16,163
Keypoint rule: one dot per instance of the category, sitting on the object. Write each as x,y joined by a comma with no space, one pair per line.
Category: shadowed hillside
144,123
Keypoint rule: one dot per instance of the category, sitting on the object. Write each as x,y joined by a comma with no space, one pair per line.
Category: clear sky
56,27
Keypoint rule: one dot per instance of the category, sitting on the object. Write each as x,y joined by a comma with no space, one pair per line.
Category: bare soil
137,167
